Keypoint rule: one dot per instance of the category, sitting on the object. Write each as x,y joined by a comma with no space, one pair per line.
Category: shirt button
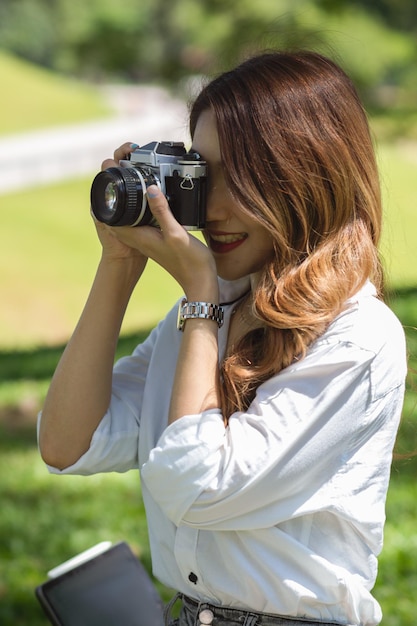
192,578
206,617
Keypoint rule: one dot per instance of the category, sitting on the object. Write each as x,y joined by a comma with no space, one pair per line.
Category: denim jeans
202,614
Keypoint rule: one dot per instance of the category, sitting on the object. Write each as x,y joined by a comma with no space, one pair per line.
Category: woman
264,443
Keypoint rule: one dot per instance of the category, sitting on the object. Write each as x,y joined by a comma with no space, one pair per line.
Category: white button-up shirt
283,510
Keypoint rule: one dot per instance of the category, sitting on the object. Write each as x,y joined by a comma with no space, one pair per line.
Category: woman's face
240,245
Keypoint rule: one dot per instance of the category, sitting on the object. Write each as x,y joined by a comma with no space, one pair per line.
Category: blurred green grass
33,98
398,169
49,251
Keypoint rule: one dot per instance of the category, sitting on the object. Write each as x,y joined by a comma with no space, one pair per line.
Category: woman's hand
186,258
113,249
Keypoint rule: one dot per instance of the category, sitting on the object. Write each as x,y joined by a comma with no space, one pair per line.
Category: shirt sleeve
114,445
276,460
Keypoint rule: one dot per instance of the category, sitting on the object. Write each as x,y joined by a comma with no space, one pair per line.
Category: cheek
265,252
264,242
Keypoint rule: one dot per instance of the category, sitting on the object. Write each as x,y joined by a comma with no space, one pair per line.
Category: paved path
142,114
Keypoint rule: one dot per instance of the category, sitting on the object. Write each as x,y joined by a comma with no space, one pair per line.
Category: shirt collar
232,290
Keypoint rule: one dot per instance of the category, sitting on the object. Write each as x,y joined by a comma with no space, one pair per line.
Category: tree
399,14
156,40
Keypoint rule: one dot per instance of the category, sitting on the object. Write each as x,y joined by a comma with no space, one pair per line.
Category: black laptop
111,588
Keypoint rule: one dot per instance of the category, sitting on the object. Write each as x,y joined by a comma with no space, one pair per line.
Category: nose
219,204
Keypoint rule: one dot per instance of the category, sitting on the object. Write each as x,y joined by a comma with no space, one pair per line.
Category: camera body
118,194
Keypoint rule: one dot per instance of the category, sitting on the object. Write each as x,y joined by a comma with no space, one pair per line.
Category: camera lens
110,197
118,197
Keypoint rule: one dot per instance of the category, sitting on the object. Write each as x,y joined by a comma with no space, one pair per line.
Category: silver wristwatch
200,310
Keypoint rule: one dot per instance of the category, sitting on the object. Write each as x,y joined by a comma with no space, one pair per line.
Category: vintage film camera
118,194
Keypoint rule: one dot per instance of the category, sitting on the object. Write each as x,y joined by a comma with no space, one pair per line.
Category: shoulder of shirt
366,322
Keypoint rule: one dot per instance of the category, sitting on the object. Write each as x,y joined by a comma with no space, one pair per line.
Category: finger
108,163
160,209
124,151
121,153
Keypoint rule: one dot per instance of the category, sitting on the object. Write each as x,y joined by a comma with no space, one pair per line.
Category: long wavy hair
299,158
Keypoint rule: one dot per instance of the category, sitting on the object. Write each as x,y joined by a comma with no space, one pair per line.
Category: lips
225,242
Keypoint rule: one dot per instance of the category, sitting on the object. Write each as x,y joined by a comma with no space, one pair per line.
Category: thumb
159,207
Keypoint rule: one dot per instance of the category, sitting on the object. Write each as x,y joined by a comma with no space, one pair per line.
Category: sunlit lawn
48,254
33,98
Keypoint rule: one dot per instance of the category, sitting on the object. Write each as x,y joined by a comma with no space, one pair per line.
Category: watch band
200,310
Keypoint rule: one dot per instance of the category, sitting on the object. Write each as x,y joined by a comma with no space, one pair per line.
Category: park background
70,64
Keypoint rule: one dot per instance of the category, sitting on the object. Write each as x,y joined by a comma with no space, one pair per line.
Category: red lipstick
222,243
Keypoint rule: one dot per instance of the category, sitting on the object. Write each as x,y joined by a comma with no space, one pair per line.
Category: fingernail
134,146
152,191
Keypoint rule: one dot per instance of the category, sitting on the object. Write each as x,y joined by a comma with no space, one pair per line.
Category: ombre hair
298,157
